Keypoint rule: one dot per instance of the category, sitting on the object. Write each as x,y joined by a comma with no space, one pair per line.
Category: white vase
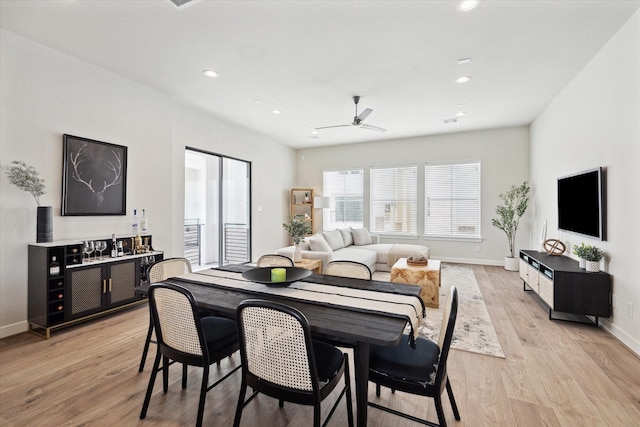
297,253
582,262
592,266
511,263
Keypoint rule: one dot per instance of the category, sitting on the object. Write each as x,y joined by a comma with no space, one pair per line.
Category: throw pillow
334,239
346,236
361,236
318,244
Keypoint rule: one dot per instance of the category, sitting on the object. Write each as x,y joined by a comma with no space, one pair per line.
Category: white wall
504,157
595,121
45,93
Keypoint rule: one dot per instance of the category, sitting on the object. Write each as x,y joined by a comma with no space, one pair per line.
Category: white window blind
452,200
394,200
346,191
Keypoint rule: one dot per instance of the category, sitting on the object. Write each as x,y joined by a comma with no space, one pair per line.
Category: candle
278,274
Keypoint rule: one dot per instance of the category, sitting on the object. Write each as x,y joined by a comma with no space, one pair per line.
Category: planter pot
44,227
582,263
593,266
297,253
511,264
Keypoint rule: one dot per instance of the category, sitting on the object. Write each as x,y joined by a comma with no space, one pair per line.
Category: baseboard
13,329
497,263
628,341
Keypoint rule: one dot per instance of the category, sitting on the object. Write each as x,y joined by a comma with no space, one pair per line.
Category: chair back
275,346
352,269
175,317
446,332
166,268
274,260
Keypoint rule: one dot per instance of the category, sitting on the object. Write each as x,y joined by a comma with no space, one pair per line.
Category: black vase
45,224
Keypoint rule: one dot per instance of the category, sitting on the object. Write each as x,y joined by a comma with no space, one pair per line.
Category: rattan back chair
185,337
352,269
157,272
280,359
421,370
274,260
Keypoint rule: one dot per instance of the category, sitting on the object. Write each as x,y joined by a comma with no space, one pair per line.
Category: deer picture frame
94,177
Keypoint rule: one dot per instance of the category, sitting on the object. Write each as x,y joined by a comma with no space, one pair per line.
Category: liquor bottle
120,248
54,267
114,246
134,223
143,222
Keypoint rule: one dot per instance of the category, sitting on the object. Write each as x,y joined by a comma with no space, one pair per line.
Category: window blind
345,188
393,199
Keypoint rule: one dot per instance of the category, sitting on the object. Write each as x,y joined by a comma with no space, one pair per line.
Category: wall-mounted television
582,203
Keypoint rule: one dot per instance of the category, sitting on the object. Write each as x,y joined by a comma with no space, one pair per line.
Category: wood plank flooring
554,374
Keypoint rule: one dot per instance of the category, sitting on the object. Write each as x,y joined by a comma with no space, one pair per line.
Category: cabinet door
546,289
87,288
533,278
123,278
524,271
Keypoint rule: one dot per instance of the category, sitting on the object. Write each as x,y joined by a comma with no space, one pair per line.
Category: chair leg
438,402
316,414
452,400
203,394
184,375
243,391
281,403
165,374
347,380
143,359
152,380
377,390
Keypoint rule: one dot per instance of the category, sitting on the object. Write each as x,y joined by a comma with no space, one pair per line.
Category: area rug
474,331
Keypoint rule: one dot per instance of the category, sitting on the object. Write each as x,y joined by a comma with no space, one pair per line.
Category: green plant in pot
27,178
514,204
579,251
592,256
297,229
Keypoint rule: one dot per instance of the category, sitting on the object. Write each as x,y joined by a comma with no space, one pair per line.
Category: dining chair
157,272
187,338
280,359
274,260
352,269
421,370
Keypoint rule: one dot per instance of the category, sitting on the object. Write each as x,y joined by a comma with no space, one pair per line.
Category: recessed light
463,61
276,111
210,73
451,120
257,101
467,5
463,79
460,113
314,132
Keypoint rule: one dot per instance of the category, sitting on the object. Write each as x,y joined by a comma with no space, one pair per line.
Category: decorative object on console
592,256
554,247
27,178
514,204
94,177
579,251
297,229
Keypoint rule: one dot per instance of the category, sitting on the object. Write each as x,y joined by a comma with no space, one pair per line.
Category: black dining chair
421,370
280,359
185,337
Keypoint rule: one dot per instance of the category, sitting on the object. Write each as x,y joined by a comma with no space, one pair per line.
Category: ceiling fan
358,119
179,2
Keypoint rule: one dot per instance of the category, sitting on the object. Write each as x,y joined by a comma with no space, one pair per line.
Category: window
394,200
345,189
452,200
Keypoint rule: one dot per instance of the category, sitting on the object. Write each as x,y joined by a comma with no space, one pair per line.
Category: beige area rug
474,331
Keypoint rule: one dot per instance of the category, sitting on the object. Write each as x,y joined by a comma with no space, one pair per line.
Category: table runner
403,306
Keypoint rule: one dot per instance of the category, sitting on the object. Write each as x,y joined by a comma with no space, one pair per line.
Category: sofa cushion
381,250
318,244
347,238
361,236
353,253
334,239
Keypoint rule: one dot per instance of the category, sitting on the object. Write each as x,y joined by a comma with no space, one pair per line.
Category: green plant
592,253
579,250
26,178
514,203
297,229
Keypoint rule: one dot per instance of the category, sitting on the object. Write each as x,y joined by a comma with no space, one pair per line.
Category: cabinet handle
110,281
104,286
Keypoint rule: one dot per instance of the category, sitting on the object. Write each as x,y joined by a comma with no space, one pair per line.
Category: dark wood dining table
353,328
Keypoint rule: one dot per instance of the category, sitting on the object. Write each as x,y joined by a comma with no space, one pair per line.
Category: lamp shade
321,202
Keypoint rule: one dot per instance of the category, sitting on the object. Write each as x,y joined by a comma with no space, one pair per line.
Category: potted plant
297,229
27,178
579,251
514,204
592,256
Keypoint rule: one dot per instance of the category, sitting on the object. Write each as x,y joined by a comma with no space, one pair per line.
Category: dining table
355,327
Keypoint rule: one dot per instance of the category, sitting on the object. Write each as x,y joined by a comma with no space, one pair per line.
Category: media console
564,286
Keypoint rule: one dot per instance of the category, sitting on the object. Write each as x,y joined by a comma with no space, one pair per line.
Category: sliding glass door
217,229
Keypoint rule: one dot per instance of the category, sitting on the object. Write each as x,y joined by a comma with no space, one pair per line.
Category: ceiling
308,58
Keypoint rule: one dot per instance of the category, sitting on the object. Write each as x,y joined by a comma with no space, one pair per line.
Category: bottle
54,267
120,248
143,222
134,223
114,246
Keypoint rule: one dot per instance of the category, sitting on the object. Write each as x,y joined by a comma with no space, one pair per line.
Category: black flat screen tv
582,204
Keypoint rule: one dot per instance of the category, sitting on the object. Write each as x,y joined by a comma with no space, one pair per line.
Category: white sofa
354,244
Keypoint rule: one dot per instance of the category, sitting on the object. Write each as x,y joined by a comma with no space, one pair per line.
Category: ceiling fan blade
365,114
180,2
371,127
334,126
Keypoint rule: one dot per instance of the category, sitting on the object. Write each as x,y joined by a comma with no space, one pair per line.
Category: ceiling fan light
463,79
467,5
210,73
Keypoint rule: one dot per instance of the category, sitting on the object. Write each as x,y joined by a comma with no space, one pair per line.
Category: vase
44,225
511,263
592,266
582,262
297,253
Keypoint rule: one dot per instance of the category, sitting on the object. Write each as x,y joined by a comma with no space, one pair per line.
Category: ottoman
427,277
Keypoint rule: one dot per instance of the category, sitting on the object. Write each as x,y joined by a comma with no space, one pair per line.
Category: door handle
110,283
104,286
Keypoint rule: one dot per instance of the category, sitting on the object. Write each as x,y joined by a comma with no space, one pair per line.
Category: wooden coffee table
314,265
427,277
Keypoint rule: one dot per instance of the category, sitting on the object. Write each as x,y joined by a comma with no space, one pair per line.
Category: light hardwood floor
554,374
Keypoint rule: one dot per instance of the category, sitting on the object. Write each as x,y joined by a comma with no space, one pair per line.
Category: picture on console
94,177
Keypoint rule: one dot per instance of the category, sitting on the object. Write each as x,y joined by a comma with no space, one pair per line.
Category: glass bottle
134,223
114,246
143,222
54,267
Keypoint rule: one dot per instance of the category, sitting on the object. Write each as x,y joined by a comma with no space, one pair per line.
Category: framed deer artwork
94,177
